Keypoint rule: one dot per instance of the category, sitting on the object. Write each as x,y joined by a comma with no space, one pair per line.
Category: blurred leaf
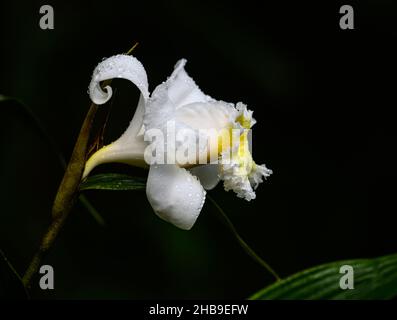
373,279
23,110
11,285
225,219
91,209
113,181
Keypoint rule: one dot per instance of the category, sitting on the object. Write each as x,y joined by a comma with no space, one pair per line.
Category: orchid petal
180,99
175,195
214,115
132,154
182,89
208,175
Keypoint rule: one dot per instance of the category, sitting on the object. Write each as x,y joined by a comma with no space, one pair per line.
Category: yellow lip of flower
240,151
245,121
244,156
238,170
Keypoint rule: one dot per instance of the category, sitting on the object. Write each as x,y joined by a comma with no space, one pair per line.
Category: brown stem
66,194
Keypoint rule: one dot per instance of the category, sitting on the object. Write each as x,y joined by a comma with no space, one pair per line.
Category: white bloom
176,191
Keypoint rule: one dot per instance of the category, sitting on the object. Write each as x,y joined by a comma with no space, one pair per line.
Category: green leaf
11,285
373,279
113,181
15,105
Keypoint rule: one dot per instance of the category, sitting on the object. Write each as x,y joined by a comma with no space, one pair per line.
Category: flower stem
240,240
67,191
66,195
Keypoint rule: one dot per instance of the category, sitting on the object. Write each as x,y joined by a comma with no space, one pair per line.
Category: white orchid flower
176,191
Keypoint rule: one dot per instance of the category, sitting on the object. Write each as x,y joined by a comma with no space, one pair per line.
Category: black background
323,99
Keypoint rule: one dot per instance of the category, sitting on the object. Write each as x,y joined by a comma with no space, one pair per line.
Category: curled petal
130,147
119,66
175,195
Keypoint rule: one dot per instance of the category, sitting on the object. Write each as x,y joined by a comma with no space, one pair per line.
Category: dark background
323,98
